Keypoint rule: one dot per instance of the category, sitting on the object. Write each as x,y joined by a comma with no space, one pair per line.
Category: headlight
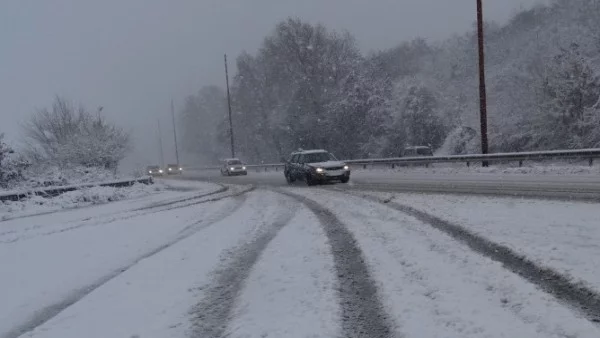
150,172
243,168
346,167
180,169
319,170
160,171
170,169
232,168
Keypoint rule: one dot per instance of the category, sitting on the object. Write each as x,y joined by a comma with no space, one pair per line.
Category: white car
233,166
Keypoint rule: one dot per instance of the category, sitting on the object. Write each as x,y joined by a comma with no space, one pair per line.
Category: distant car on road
417,151
174,169
154,170
233,166
315,166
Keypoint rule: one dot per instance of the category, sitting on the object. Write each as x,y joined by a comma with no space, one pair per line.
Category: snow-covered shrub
461,141
73,199
66,137
53,176
11,166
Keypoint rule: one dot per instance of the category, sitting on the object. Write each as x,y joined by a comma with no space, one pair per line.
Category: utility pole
175,132
229,107
482,93
160,146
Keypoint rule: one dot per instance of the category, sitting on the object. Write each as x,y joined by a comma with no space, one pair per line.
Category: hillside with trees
308,86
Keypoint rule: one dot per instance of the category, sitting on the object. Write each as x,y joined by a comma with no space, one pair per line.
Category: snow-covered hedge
74,199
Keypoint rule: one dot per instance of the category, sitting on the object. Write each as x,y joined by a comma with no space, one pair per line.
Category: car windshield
318,157
234,162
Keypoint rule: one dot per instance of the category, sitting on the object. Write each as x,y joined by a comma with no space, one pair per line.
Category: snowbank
461,168
74,199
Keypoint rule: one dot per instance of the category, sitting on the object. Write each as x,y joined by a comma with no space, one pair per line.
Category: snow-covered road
289,262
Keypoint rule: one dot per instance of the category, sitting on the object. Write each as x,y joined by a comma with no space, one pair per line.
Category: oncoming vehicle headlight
170,169
180,169
319,170
346,167
232,168
160,171
149,171
243,168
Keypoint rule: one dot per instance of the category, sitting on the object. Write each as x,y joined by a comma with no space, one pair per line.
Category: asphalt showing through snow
562,287
362,312
567,187
211,315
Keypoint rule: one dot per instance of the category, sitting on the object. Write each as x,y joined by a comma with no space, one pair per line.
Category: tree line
311,87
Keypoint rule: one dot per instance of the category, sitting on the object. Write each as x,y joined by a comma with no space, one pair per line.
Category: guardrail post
265,169
520,164
591,161
364,166
393,165
468,164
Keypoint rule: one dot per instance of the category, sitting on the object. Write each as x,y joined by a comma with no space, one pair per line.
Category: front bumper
238,172
328,177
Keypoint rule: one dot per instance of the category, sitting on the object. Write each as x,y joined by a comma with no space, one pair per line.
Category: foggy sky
132,56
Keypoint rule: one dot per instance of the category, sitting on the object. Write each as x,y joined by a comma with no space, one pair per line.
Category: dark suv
315,166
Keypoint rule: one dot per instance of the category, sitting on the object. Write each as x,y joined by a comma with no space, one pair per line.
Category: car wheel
345,179
289,178
309,180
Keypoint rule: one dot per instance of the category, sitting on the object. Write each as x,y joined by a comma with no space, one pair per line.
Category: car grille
335,168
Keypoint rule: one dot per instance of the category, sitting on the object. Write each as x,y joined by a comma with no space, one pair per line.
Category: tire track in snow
576,295
132,214
222,188
363,314
45,314
212,314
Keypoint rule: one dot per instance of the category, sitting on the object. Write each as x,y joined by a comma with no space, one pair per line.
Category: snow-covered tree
308,86
568,102
66,136
202,124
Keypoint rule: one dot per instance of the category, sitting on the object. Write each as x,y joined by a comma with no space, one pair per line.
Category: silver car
233,166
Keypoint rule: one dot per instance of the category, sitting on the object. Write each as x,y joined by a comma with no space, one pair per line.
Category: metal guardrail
55,191
589,154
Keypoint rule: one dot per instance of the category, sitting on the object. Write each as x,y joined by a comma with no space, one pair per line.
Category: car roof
231,159
153,166
171,165
311,151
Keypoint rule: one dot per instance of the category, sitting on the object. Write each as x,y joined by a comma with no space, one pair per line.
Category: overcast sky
132,56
